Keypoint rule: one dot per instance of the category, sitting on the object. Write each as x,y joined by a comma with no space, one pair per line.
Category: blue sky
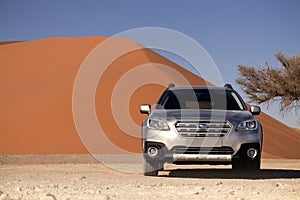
232,32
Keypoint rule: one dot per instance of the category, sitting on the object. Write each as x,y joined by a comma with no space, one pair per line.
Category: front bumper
206,157
199,157
174,148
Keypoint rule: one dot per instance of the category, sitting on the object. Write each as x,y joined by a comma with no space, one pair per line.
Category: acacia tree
264,84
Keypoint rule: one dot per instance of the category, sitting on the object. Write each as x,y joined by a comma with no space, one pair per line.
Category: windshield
201,99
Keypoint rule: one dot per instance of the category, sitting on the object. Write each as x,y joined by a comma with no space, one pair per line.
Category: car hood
209,115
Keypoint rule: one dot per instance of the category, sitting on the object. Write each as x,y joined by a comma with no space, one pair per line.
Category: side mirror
255,110
145,109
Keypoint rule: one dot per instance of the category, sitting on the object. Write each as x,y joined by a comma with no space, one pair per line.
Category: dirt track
280,179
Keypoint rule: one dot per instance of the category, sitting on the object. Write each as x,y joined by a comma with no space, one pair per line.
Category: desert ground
35,177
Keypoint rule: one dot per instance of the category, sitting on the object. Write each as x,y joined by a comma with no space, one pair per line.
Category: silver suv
201,125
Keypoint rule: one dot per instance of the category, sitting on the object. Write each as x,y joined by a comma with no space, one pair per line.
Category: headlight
247,125
157,124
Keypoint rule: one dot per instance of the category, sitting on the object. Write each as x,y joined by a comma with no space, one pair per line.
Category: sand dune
37,79
9,42
297,129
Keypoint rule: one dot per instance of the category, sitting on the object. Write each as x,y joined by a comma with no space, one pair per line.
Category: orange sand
36,84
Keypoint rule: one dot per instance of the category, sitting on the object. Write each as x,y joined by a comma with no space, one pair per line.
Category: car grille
202,150
202,128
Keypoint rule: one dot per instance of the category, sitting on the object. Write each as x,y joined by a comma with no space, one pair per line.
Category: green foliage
264,84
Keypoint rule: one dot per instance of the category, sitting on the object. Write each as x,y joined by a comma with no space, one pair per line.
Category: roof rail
227,85
171,85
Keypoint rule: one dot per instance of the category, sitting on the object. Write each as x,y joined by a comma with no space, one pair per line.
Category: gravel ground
280,179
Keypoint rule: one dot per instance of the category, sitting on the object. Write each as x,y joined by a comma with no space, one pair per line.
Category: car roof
199,87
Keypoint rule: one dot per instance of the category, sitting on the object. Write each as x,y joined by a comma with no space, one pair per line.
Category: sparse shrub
264,84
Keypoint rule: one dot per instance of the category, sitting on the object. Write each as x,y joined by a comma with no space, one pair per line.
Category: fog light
252,153
152,152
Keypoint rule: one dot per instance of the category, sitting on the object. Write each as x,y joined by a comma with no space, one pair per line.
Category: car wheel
151,168
253,166
238,165
247,167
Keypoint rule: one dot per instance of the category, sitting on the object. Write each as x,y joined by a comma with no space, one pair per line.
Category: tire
151,168
238,165
254,165
247,167
253,168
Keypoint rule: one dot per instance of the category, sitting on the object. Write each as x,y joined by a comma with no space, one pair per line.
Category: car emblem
202,126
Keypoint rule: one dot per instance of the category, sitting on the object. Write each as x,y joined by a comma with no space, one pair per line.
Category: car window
201,99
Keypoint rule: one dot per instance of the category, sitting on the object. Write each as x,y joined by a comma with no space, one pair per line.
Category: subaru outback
201,125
